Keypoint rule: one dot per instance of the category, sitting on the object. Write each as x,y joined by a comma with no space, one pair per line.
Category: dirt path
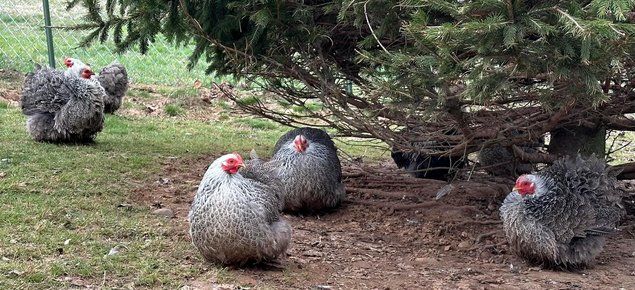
392,234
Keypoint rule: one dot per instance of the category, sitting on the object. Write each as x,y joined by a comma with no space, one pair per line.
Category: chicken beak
515,189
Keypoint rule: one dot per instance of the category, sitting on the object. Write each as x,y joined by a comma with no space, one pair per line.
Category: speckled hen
113,78
63,107
311,171
234,218
562,216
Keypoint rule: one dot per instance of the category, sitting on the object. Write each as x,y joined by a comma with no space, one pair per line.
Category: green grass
54,193
140,94
23,43
173,110
258,123
50,194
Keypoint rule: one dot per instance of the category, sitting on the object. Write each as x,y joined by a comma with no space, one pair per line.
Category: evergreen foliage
500,71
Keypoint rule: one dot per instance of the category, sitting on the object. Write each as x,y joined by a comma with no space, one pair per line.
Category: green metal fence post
49,33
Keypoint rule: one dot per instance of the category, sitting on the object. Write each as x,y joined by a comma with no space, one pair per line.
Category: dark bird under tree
562,216
113,78
310,169
235,216
63,107
500,161
421,165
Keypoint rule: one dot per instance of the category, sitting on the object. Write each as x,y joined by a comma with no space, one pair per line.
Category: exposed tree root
486,247
480,237
394,206
346,175
627,171
377,192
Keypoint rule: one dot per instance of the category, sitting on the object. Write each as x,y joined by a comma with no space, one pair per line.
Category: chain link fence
23,44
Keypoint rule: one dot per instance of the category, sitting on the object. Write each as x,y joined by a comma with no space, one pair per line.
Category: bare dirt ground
204,107
391,233
10,86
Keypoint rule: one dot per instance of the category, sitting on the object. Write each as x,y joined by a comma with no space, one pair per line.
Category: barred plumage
562,216
234,218
62,107
113,78
310,169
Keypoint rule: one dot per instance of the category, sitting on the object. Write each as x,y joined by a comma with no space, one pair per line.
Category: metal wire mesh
23,44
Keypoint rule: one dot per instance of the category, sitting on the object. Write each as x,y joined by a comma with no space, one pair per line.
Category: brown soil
391,233
10,86
203,107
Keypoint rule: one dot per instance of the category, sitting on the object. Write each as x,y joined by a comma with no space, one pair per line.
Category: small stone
464,244
300,260
15,273
164,212
115,250
447,248
312,253
197,84
164,181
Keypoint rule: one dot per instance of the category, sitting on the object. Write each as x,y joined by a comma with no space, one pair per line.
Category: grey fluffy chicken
63,107
311,170
562,216
113,78
500,161
234,218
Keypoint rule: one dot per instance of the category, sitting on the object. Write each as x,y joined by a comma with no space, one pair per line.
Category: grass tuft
247,101
173,110
260,123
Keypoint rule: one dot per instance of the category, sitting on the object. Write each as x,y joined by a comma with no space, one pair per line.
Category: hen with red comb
63,107
562,216
113,78
235,216
310,169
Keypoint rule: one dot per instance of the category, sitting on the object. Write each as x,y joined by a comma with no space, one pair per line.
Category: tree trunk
572,140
